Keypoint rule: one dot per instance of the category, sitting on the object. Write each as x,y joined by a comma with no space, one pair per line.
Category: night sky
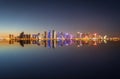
33,16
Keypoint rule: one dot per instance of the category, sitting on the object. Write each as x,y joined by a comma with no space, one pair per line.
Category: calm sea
59,60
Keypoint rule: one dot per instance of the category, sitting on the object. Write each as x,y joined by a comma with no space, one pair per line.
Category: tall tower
10,36
81,35
45,35
105,37
21,35
49,34
53,34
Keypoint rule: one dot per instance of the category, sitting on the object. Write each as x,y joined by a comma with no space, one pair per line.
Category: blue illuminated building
49,34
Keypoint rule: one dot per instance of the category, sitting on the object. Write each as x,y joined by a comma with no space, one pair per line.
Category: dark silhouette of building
45,34
21,35
11,36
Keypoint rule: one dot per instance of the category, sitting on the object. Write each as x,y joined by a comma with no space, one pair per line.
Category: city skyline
59,39
6,36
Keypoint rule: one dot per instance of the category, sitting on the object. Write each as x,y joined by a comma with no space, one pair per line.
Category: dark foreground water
60,62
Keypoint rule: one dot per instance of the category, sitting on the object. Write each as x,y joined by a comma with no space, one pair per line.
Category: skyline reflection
60,43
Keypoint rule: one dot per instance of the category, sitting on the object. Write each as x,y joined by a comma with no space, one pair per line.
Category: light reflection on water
34,59
60,43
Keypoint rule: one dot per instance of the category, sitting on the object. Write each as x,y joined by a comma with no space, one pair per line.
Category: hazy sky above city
32,16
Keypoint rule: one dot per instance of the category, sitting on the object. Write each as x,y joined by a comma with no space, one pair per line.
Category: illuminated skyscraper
81,35
58,36
54,36
105,37
49,35
45,35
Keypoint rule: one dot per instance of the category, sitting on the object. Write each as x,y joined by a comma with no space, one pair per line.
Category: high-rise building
59,36
49,35
105,37
45,34
21,35
39,36
29,36
54,36
10,36
81,35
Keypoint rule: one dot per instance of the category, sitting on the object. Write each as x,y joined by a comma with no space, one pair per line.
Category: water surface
61,60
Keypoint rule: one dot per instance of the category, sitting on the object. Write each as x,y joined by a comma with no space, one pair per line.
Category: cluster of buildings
53,35
90,36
